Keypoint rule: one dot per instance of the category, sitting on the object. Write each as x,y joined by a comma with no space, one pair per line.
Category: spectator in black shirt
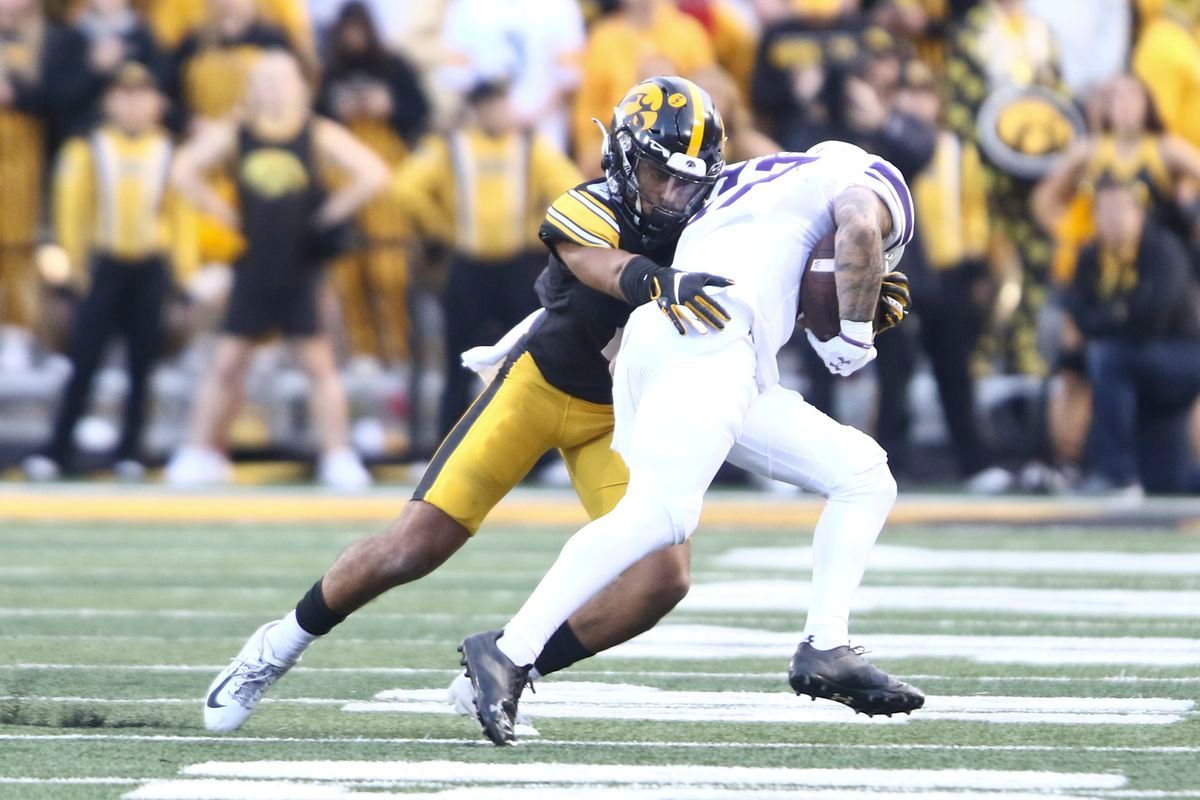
858,102
1136,302
363,80
375,93
794,57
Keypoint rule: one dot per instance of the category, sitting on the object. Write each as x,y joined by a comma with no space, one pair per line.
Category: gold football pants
516,420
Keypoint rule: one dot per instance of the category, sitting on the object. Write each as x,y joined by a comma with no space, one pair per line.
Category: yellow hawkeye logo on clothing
1034,127
273,173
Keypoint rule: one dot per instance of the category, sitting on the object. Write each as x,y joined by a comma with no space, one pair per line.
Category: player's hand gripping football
895,302
849,351
677,293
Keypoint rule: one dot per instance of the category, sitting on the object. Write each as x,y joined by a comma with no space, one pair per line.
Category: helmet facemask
661,190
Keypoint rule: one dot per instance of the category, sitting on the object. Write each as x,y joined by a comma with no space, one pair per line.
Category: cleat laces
256,682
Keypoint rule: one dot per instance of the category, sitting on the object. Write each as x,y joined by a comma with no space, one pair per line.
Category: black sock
563,650
313,615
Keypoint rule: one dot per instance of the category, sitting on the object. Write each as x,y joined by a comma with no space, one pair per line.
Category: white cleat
342,469
194,466
235,693
462,699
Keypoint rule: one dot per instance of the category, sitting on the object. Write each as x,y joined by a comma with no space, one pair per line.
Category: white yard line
18,781
459,773
162,701
58,637
776,676
205,789
600,744
896,558
792,596
215,789
715,616
708,642
218,667
582,700
185,613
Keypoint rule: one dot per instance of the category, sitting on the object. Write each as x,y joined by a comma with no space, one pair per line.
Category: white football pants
683,405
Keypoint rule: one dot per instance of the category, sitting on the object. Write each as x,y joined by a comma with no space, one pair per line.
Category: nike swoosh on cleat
211,703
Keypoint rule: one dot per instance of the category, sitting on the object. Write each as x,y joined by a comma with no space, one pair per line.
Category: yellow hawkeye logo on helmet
640,107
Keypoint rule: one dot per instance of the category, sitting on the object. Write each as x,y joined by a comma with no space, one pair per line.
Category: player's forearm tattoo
858,254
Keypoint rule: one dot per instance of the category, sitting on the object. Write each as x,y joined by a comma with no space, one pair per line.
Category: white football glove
849,351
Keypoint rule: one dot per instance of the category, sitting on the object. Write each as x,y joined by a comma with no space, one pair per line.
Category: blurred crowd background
1051,146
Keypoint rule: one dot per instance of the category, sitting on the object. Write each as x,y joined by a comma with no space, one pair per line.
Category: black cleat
497,683
844,676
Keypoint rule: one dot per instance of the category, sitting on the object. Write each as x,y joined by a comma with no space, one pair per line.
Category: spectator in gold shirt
643,38
482,191
207,77
115,218
174,20
1167,59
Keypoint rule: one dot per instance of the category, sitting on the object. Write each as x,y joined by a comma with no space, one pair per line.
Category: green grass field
1059,661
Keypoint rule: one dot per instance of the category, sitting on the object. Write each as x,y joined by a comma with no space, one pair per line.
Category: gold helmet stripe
697,119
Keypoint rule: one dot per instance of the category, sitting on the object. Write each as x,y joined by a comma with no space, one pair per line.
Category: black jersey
278,189
568,344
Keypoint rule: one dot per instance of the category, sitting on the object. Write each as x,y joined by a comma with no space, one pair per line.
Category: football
818,293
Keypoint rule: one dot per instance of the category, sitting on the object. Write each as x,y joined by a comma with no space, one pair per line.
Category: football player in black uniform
609,240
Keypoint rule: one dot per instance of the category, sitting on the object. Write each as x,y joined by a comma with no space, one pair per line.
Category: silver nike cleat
236,692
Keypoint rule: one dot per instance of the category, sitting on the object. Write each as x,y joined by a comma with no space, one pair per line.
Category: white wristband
861,333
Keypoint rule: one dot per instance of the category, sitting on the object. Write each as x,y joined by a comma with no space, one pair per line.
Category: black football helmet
662,155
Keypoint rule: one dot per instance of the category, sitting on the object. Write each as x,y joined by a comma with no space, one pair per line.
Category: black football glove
895,302
673,291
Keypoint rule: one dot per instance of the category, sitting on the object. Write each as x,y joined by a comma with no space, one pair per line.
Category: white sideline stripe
787,595
658,745
896,558
458,773
211,789
582,700
707,642
604,673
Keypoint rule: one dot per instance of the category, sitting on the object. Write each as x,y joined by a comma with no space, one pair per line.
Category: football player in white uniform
685,404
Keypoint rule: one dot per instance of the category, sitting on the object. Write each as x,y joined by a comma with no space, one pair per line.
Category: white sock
842,544
589,561
286,641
